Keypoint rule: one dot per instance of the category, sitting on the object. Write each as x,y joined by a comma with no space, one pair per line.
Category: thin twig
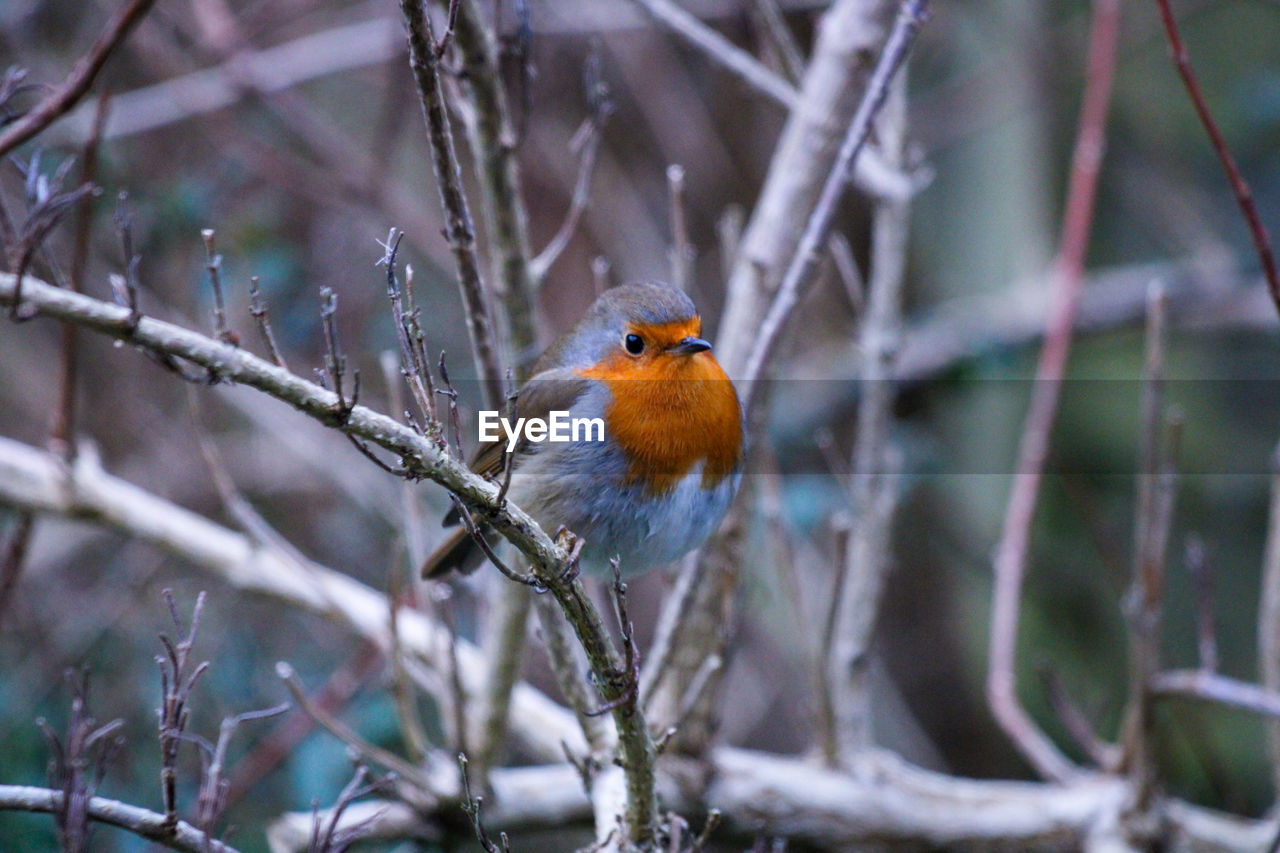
14,557
471,808
781,39
804,262
77,84
451,22
1011,551
872,486
588,148
62,429
493,140
1153,518
1196,557
177,681
681,251
413,352
258,308
1221,689
214,265
459,231
211,801
734,59
344,733
1239,187
1104,755
1269,614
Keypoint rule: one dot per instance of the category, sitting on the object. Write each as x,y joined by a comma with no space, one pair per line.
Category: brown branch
1033,447
62,428
13,557
1244,197
62,99
459,230
492,139
330,723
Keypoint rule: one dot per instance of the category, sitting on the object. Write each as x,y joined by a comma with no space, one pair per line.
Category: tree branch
141,822
1011,551
459,230
62,99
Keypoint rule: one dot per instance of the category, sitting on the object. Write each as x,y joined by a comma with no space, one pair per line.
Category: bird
660,479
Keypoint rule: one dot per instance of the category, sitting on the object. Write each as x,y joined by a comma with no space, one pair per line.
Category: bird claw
574,544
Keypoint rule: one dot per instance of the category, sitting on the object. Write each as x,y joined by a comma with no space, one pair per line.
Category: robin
660,478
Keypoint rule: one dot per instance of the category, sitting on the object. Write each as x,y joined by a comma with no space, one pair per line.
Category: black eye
634,344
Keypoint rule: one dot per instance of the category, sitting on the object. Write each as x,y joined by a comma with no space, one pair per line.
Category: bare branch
13,557
143,823
804,262
506,647
737,61
1220,689
873,490
681,251
258,308
587,143
1269,613
1244,197
425,63
492,138
62,99
214,265
1011,551
344,733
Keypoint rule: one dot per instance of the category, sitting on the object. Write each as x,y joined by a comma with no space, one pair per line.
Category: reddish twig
1244,197
77,84
1011,552
13,557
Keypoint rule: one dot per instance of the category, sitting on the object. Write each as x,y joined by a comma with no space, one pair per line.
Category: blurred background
293,129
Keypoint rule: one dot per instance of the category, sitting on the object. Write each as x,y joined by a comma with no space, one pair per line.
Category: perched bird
661,477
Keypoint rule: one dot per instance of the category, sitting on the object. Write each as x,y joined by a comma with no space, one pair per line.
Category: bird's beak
689,346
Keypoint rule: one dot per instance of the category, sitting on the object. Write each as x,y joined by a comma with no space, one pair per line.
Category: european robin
660,478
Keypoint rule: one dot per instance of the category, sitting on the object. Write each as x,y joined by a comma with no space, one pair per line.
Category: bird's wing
545,392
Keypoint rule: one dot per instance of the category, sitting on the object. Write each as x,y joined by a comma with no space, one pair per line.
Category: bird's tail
457,553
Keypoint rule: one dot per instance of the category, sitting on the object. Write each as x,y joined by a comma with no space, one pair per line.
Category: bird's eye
634,344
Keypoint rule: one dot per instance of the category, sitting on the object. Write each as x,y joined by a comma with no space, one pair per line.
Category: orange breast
670,413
